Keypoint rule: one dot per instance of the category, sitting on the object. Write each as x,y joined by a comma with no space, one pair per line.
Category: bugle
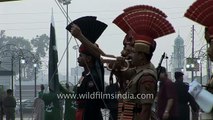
112,60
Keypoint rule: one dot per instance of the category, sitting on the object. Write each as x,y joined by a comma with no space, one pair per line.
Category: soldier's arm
169,105
147,86
193,103
14,102
76,32
171,96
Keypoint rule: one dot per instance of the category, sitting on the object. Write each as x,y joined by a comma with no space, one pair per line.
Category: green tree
38,46
41,44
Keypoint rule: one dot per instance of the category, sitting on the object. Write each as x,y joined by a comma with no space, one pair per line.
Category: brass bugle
107,60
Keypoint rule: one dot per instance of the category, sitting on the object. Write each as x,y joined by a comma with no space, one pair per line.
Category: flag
53,109
53,60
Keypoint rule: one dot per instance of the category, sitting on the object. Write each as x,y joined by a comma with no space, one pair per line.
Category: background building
178,55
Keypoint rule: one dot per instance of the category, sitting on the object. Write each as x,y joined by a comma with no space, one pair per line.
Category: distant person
9,104
184,97
112,103
1,106
40,94
38,109
167,97
39,106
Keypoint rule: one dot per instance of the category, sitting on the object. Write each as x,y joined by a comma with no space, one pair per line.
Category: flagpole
67,2
67,71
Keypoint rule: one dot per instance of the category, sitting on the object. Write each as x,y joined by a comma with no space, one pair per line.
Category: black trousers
10,115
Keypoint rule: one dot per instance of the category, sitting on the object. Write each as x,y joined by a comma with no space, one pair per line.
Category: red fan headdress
119,21
146,8
201,12
145,26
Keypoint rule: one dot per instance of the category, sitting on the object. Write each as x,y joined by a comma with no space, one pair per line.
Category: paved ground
28,116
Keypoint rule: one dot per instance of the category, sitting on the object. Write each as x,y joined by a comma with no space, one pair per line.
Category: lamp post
21,61
76,68
24,56
30,57
12,58
67,2
35,70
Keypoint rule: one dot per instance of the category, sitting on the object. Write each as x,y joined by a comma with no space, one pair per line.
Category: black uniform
93,80
184,98
89,84
112,104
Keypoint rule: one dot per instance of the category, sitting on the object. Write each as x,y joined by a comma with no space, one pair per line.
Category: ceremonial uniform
140,24
89,107
92,80
143,83
201,12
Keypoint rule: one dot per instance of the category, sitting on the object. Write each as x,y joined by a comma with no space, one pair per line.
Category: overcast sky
29,18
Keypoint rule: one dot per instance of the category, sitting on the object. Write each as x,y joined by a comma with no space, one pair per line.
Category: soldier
9,104
40,94
128,42
201,12
112,104
184,98
1,105
140,23
143,81
92,80
69,113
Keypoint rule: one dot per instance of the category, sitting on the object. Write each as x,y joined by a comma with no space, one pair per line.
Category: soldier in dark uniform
92,80
1,105
112,104
184,98
9,104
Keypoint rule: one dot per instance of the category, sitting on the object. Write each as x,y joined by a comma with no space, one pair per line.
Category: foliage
34,51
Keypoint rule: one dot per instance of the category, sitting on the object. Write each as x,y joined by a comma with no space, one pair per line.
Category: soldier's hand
76,31
165,115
